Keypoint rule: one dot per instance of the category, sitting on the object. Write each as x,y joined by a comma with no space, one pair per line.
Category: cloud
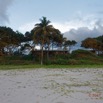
75,23
4,5
82,27
84,32
63,27
76,29
100,12
85,26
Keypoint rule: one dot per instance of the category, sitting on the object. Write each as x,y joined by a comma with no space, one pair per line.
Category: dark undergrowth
77,57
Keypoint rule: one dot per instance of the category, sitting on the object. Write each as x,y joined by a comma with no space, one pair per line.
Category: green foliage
62,56
82,54
61,59
78,57
99,38
93,43
86,57
9,39
16,60
37,66
73,62
69,43
57,61
27,57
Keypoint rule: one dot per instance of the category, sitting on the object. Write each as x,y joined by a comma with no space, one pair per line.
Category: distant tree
54,37
28,36
92,44
99,38
20,37
69,43
89,43
8,39
2,41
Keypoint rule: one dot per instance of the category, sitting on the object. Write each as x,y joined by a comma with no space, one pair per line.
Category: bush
82,54
57,61
12,57
27,57
73,62
62,56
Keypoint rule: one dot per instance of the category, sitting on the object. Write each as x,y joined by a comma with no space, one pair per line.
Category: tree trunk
42,53
1,51
52,45
48,51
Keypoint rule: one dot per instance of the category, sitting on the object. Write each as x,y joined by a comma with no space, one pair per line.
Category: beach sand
51,86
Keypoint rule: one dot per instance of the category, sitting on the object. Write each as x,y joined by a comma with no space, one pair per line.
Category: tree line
44,35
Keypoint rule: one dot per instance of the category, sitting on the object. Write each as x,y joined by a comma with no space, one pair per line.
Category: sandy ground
51,86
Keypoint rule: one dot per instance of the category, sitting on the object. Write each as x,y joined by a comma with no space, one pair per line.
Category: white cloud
85,32
76,29
63,27
79,29
86,21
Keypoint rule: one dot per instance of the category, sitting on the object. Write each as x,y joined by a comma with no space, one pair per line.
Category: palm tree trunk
42,53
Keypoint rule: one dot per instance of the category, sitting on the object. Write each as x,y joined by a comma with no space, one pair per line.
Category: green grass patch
9,67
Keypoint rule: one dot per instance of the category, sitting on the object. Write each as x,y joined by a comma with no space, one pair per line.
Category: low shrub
57,61
27,57
83,54
62,56
73,62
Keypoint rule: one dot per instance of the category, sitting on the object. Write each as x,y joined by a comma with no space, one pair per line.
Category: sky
76,19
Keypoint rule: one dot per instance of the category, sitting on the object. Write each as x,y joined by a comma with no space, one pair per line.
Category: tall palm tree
41,32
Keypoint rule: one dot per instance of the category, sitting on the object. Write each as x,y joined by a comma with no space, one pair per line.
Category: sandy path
51,86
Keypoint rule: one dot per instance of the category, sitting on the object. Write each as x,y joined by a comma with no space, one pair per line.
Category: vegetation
8,67
93,43
77,57
69,43
13,45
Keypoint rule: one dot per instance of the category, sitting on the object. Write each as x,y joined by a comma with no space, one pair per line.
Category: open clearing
51,86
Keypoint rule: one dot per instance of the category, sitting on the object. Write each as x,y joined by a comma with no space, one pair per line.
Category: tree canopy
92,43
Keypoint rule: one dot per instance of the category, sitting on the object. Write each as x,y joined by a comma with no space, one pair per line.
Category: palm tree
41,32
